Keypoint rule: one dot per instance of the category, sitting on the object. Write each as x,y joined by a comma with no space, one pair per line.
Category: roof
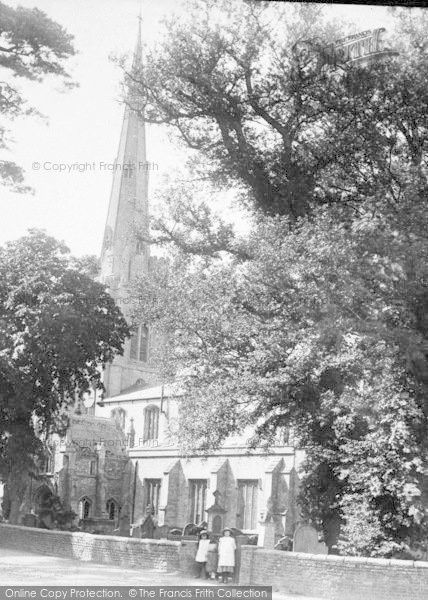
142,392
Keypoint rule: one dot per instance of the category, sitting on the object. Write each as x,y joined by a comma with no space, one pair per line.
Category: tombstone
136,531
217,524
269,535
30,520
124,526
47,522
161,533
147,527
190,531
174,534
216,514
306,539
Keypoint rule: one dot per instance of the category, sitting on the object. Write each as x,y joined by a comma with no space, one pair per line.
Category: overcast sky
84,124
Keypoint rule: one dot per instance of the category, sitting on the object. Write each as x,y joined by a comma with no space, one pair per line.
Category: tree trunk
17,486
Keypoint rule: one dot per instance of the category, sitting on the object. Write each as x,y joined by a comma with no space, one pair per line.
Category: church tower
123,255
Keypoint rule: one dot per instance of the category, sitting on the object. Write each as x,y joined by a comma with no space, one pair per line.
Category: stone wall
334,577
161,555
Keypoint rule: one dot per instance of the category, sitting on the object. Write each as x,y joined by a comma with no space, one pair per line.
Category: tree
317,332
32,46
317,320
57,328
231,82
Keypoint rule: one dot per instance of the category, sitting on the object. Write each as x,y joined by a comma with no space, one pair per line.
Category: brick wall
335,577
146,554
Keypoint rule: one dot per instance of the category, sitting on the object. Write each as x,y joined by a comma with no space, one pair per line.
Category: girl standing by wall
226,556
202,555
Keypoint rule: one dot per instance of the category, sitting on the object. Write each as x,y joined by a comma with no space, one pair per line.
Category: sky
83,125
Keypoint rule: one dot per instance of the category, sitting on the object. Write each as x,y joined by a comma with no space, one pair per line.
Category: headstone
216,514
160,533
124,526
269,535
147,527
190,531
217,524
136,531
174,534
306,539
30,520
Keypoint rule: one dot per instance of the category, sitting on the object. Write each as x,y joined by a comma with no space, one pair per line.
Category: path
24,568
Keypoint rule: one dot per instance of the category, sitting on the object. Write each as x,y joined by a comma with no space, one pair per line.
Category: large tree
321,329
57,328
32,46
318,320
243,87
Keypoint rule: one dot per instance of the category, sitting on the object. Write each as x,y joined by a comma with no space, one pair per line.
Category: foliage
318,331
317,318
57,327
53,508
32,46
230,80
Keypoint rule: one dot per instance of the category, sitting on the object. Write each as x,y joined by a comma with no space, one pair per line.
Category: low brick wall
161,555
334,577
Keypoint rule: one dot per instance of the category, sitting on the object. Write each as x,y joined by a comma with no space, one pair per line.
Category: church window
119,415
93,467
284,436
140,344
152,488
198,497
85,506
151,423
133,353
48,465
112,509
247,504
144,344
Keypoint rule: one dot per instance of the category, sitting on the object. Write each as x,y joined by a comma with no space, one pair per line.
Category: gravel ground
18,568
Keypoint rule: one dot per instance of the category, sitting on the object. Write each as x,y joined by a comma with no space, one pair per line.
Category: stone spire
123,254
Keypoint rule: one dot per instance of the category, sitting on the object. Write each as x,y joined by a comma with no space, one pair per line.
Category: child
226,556
211,565
202,555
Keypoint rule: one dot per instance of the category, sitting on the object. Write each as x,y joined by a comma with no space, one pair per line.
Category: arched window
139,349
85,505
112,509
48,461
151,423
119,415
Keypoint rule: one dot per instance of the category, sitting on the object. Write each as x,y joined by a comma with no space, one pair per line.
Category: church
119,460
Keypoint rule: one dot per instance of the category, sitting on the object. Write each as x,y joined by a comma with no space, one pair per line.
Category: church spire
124,256
138,52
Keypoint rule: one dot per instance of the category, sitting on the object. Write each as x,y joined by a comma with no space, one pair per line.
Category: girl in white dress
226,556
202,555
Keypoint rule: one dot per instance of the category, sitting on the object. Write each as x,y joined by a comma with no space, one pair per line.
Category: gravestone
161,533
217,524
124,526
306,539
136,532
269,535
190,531
216,514
30,520
147,527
